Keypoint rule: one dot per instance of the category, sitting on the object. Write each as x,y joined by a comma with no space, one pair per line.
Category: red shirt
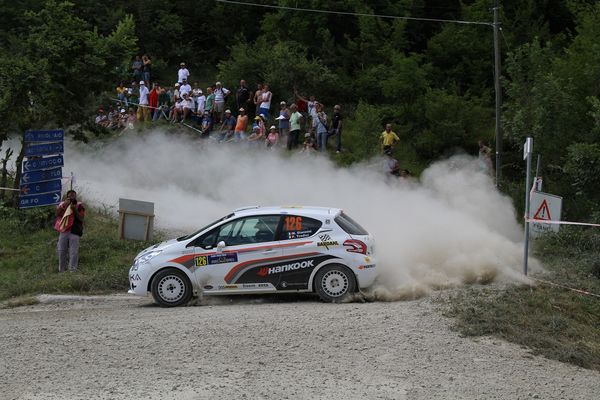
153,98
302,106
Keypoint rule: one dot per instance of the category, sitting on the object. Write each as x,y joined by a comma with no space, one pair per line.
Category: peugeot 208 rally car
260,250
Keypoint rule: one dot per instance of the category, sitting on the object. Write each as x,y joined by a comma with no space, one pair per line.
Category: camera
73,201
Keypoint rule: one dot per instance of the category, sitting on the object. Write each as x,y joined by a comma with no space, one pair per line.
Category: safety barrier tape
544,221
580,291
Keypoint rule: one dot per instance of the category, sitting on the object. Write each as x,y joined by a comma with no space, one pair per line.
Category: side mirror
220,246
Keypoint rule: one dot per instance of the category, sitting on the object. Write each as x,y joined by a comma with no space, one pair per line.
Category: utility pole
498,91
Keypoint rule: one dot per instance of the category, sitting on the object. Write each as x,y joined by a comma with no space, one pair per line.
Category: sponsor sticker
249,285
222,258
326,241
211,259
277,269
263,285
221,287
366,266
299,234
135,277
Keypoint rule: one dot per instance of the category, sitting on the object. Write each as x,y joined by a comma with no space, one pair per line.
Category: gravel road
119,347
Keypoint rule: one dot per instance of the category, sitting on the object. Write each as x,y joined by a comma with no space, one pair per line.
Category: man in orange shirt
240,125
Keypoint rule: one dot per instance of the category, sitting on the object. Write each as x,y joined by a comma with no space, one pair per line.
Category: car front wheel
171,288
334,282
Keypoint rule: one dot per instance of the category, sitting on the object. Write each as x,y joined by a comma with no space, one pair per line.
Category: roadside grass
551,321
29,263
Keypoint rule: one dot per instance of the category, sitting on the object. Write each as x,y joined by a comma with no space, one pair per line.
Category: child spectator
388,138
207,124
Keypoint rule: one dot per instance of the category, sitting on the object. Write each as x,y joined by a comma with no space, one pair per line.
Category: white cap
272,127
141,82
227,111
122,110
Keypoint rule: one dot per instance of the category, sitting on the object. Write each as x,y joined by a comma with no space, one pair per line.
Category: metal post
527,150
498,91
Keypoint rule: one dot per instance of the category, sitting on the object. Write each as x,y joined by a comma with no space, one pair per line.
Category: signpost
38,200
41,179
527,152
544,207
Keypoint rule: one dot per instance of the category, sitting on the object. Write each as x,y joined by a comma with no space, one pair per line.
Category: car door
248,242
303,251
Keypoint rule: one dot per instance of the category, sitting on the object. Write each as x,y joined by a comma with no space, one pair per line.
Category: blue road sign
44,136
41,176
37,164
38,200
44,149
41,187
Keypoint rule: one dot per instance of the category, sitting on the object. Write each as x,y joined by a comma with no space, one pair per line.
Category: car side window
252,229
297,227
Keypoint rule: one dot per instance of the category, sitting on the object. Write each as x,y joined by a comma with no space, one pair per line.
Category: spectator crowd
253,119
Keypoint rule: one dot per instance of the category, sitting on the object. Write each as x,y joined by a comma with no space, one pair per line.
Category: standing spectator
485,158
311,107
153,100
69,223
210,100
137,66
221,94
184,88
200,103
183,73
146,69
336,127
265,101
272,138
133,92
321,127
227,126
143,110
122,93
257,98
389,138
240,125
295,124
284,120
163,103
242,95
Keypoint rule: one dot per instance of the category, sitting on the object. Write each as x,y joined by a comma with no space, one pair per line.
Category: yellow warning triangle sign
543,212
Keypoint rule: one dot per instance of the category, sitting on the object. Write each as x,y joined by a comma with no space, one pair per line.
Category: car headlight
145,258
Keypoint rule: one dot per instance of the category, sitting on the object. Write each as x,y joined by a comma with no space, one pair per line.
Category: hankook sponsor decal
264,271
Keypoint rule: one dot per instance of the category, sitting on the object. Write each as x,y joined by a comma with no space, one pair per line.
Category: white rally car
260,250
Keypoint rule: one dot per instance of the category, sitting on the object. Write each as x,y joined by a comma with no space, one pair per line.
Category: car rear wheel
333,283
171,288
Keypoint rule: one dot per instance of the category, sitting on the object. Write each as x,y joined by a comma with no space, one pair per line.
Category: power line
455,21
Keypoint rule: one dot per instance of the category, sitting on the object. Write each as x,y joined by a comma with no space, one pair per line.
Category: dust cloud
448,229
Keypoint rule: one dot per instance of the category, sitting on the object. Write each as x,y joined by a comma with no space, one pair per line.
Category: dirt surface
120,347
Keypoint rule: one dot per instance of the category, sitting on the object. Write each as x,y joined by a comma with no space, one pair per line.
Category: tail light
355,246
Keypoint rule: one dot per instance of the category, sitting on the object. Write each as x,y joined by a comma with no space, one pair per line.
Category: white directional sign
544,207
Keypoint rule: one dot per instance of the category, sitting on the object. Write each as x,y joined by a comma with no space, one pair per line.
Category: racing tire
171,288
333,283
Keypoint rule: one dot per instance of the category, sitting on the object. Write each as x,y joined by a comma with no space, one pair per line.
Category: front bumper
138,283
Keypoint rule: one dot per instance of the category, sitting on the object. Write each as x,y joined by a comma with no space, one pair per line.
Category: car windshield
349,225
191,235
